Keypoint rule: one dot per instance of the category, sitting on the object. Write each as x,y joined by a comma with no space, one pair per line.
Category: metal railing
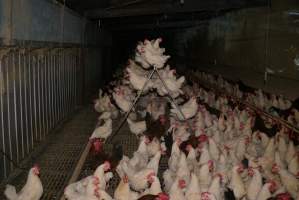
38,89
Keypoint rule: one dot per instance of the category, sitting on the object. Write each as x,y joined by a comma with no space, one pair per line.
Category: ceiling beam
167,8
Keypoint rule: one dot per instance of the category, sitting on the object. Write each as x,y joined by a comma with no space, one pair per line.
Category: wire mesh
58,156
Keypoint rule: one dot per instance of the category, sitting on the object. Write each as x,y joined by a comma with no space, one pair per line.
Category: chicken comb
107,164
163,196
205,196
284,196
240,168
189,147
274,168
182,183
273,185
36,166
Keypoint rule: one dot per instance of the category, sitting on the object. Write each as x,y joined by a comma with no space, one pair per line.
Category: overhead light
182,2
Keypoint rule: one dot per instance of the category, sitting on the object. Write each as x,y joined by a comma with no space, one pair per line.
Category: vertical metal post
58,96
47,90
21,102
15,105
63,86
35,96
72,82
8,109
43,102
51,72
58,86
31,86
39,118
25,78
2,116
55,96
76,63
69,82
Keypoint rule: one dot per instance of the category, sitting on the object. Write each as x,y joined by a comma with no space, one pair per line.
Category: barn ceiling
131,14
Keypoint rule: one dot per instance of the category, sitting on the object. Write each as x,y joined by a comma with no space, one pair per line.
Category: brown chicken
98,156
193,141
160,196
156,129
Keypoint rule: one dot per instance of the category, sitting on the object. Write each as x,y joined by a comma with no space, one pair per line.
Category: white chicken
193,190
189,109
174,157
140,157
155,187
120,100
103,131
138,81
204,175
237,184
153,147
176,190
168,177
174,86
293,166
183,172
91,187
215,187
32,189
137,128
98,180
123,191
150,54
255,184
154,162
288,180
191,157
139,180
266,191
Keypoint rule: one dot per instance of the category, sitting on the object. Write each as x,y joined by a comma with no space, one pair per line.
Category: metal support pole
30,98
25,78
8,109
39,118
14,72
21,102
2,115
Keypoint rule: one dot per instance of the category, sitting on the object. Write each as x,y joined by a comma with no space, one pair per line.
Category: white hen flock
223,155
228,157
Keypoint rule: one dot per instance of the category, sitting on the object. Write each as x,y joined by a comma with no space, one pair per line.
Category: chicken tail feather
10,192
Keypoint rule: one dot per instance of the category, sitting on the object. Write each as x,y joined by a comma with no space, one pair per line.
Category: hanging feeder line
137,98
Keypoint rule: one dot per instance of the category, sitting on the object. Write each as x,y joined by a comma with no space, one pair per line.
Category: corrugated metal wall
38,89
